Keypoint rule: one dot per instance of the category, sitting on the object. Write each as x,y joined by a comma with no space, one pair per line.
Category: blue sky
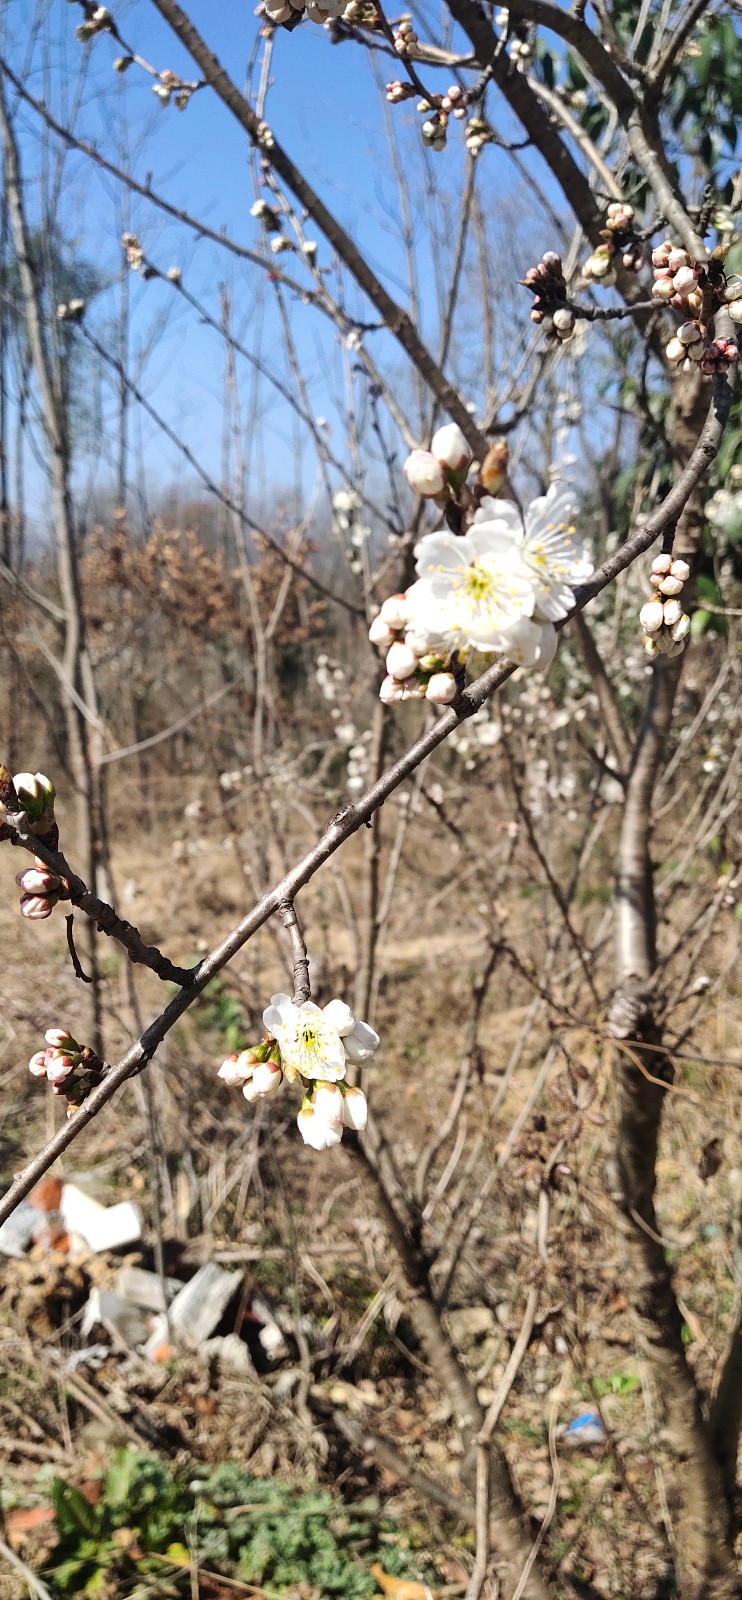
325,107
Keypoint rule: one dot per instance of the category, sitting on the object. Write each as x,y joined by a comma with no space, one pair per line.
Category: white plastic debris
201,1304
231,1352
99,1227
144,1289
19,1230
107,1309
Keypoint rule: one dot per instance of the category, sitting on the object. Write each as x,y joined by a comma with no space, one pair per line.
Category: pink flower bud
661,254
395,612
651,616
401,661
37,880
676,259
441,688
37,1064
671,585
663,289
59,1067
450,448
684,280
674,350
265,1080
237,1068
60,1039
424,474
680,569
35,907
380,634
662,564
391,692
689,333
672,612
355,1109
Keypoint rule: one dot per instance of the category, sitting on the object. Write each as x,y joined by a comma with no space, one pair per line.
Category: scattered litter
157,1347
270,1335
200,1305
99,1227
107,1309
587,1428
402,1588
230,1352
17,1234
93,1355
145,1289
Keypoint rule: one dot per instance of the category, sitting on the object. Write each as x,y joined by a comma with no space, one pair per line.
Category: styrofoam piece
108,1309
201,1304
100,1227
144,1289
20,1228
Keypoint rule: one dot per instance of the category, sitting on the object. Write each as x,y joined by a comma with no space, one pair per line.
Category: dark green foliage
261,1531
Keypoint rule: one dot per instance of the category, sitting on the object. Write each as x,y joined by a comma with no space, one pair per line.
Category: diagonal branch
347,821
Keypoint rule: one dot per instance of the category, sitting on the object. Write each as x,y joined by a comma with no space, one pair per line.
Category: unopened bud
450,448
401,661
441,688
494,469
684,280
395,612
681,628
680,569
424,474
662,564
651,616
671,585
380,634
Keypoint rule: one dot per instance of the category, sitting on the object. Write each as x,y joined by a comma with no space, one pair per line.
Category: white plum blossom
502,586
315,1043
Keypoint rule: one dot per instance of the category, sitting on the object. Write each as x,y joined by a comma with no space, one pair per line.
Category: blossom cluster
666,625
33,794
72,1069
547,283
619,239
291,11
98,19
312,1045
499,587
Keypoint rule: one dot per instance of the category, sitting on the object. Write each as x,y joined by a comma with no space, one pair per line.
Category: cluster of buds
478,134
288,13
70,311
266,216
547,284
435,130
98,19
41,889
520,49
619,241
363,12
72,1069
257,1070
677,278
312,1046
435,473
666,625
688,349
171,87
397,91
414,671
405,37
133,251
733,297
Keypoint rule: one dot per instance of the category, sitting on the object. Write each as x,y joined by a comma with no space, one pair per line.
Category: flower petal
441,552
341,1017
279,1013
503,512
361,1043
